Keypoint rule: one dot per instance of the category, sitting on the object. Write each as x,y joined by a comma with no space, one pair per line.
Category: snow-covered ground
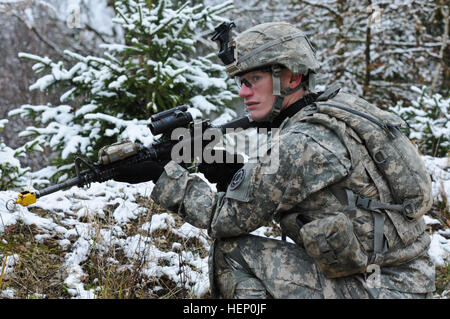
74,213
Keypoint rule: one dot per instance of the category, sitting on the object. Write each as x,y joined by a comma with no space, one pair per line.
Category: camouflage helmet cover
273,43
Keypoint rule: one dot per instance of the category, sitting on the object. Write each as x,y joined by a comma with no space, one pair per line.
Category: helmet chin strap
279,92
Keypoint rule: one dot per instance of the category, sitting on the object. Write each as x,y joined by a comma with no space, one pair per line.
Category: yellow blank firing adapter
26,198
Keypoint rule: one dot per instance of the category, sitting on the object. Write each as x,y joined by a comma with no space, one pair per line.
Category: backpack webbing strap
350,201
373,204
379,242
390,129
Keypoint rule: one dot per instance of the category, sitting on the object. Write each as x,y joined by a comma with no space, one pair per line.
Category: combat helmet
270,45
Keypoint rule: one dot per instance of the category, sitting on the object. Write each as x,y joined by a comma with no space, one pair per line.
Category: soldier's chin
257,115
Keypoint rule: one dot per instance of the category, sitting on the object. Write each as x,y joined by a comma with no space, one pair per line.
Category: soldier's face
256,90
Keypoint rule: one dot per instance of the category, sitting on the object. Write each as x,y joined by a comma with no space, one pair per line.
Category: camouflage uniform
314,158
314,162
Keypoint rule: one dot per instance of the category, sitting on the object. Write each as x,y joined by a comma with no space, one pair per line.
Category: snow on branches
110,98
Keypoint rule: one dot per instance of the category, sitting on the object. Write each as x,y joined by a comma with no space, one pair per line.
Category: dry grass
39,270
443,280
113,275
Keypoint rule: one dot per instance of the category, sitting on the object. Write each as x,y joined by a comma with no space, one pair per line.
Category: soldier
355,225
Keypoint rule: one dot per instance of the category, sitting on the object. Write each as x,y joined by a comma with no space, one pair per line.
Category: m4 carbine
126,153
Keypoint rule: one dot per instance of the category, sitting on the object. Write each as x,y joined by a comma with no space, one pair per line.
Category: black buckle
363,202
309,98
408,209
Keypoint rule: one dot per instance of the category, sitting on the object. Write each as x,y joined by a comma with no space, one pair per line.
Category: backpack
395,157
395,165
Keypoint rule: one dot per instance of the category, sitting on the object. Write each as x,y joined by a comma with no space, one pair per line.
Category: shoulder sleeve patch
237,179
240,186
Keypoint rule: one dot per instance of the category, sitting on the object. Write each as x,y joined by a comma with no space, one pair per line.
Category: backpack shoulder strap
329,93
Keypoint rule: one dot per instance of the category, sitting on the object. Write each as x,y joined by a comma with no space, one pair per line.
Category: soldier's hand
140,172
222,173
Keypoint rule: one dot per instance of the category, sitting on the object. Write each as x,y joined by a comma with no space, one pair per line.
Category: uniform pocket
332,244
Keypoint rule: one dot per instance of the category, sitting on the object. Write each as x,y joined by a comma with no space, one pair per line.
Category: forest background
78,75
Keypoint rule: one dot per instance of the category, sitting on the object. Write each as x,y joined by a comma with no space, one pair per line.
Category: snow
117,84
438,169
116,47
73,216
203,104
7,155
161,221
439,250
74,213
97,81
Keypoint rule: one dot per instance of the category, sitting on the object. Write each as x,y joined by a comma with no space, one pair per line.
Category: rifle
123,154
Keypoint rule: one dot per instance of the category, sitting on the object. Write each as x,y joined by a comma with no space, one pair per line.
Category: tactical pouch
330,241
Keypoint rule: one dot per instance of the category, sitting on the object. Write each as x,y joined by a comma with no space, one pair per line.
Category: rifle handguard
117,152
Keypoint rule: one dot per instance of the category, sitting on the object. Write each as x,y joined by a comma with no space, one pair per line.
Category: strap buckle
363,202
408,209
377,258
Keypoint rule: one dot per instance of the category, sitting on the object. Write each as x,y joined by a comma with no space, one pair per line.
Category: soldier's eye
255,78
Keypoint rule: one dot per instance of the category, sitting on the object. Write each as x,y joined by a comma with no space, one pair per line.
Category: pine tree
428,119
12,174
111,98
247,13
370,47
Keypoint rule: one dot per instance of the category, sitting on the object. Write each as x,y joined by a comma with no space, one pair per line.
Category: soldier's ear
295,81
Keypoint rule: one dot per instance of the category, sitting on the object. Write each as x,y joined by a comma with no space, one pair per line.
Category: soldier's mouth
251,105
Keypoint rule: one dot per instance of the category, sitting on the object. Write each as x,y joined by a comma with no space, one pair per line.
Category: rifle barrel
54,188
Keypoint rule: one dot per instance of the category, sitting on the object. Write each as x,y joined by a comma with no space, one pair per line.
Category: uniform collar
288,112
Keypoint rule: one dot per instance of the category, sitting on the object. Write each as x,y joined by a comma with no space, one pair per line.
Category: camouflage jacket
306,159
